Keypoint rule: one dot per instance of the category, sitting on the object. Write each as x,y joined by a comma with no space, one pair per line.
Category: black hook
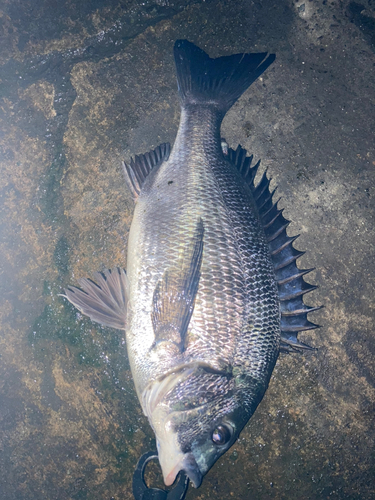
142,492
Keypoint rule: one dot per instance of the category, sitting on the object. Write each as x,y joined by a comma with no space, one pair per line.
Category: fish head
197,415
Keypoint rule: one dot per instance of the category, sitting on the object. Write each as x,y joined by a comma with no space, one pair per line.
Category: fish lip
192,470
189,465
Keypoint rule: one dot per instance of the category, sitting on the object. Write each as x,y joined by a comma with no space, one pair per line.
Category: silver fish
212,292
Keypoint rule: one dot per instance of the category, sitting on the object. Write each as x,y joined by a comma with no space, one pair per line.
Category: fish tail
220,82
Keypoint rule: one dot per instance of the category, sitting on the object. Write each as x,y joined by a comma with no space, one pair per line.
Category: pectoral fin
104,301
174,295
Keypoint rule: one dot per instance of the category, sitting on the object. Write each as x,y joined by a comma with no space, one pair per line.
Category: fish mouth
187,464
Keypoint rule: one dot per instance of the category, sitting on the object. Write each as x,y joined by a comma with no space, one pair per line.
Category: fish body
234,332
200,302
237,292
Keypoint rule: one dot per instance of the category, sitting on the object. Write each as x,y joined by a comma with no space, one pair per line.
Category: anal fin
174,295
103,301
138,169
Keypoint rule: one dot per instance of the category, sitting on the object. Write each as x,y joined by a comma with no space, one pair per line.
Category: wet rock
86,84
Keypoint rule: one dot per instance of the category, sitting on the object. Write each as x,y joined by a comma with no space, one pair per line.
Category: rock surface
84,85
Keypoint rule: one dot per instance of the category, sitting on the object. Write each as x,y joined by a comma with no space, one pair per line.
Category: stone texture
84,85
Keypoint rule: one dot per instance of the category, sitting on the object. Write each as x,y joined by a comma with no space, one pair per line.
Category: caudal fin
219,82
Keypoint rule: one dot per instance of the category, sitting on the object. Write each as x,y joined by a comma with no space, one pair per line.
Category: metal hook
142,492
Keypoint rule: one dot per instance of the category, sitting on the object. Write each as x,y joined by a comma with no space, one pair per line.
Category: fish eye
221,435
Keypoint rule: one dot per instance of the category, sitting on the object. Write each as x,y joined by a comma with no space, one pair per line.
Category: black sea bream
212,292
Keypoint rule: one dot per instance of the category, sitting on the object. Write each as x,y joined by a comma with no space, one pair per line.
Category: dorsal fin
290,281
136,172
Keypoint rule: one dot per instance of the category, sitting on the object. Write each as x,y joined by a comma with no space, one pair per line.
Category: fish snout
185,462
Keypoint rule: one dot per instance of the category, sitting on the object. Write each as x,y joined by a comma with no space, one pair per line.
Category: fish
212,292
